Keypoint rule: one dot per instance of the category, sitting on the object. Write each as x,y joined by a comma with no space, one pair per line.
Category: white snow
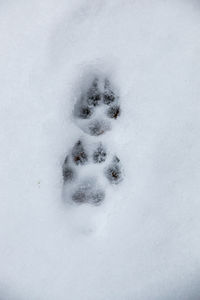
148,247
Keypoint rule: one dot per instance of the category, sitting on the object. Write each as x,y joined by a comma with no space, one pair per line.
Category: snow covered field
144,243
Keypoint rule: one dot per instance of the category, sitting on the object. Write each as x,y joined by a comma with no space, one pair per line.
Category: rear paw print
113,172
86,170
97,107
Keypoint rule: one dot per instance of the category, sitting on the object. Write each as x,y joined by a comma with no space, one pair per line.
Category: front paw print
97,106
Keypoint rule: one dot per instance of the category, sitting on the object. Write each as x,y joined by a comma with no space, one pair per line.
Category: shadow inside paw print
94,94
87,192
67,171
98,127
79,154
113,171
99,155
82,170
109,96
114,111
97,105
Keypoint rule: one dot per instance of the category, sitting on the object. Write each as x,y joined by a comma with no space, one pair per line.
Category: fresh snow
143,244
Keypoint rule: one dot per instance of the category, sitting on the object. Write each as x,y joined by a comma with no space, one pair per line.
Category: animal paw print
89,167
97,107
86,170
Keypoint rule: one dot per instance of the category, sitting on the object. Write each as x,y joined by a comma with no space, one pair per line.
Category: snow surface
148,247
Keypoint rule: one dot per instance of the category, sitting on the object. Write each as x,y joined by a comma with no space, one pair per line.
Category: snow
145,242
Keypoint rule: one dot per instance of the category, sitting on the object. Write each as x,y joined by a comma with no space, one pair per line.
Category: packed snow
142,243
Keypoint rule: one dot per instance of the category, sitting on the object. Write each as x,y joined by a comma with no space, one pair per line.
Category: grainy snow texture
143,243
